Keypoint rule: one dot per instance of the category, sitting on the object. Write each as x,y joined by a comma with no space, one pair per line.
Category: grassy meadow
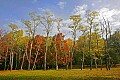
75,74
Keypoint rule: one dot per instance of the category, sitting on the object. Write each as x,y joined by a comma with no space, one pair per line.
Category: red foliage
31,61
37,61
32,56
21,57
41,57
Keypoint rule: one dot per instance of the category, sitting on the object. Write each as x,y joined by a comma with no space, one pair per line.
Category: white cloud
6,27
99,1
93,4
64,28
61,4
116,23
111,15
80,10
107,13
68,21
42,11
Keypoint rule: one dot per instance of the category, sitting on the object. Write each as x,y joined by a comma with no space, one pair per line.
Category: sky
14,11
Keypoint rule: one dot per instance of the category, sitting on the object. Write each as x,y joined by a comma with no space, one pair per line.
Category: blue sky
16,10
20,8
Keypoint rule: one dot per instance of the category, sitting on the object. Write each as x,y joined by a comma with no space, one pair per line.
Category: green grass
75,74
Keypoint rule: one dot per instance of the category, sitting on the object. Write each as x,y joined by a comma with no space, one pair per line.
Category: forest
97,45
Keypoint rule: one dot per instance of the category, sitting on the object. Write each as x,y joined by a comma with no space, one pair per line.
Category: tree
83,41
114,49
106,30
75,27
39,42
91,16
31,30
58,21
18,47
47,22
13,35
24,44
5,46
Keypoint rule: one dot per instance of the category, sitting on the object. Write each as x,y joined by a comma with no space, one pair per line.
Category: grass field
75,74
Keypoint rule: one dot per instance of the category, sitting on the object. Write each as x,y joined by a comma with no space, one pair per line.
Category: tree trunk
82,66
67,66
30,55
101,62
10,62
5,61
45,58
95,64
109,63
16,62
22,61
71,60
66,61
90,50
5,64
91,61
35,60
56,62
19,59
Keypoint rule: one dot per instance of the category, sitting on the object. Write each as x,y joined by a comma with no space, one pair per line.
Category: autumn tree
82,48
24,44
5,47
13,27
91,17
18,47
106,30
47,22
31,26
39,42
59,26
83,45
75,27
3,52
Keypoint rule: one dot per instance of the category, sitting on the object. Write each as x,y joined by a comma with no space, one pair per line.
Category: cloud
80,10
61,4
99,1
93,4
42,11
111,15
107,13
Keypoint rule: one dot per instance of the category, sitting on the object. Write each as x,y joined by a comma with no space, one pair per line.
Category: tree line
96,45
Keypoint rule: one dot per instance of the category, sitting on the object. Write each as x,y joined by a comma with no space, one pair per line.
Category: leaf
47,44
